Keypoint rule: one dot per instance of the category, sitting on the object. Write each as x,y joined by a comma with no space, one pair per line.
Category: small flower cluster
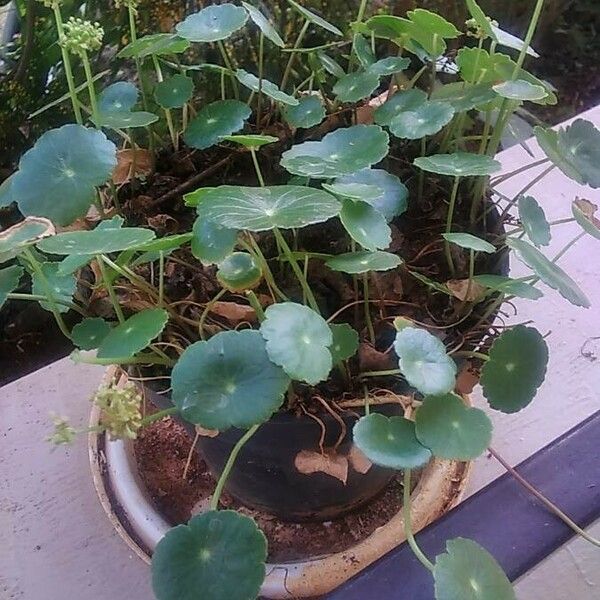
82,36
121,410
63,434
51,3
475,31
127,3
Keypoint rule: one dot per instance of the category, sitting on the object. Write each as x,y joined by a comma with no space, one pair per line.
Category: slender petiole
90,85
449,219
292,58
109,288
410,538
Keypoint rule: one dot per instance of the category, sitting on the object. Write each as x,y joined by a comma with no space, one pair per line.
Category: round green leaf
238,272
469,572
124,120
90,333
340,152
515,370
390,442
22,234
392,202
264,25
353,87
363,262
534,221
330,65
96,241
134,334
62,287
459,164
424,362
268,88
427,119
214,121
408,100
57,177
251,141
520,89
307,113
157,44
463,96
365,225
506,285
470,242
433,22
261,209
584,213
354,191
575,150
212,243
550,273
228,381
9,280
315,19
118,97
345,342
450,429
389,65
6,198
362,48
213,23
298,340
389,27
174,91
218,555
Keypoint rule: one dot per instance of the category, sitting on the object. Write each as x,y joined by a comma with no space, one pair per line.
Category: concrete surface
57,544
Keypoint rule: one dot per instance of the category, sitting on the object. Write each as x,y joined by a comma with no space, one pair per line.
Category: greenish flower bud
121,410
63,432
51,3
82,36
127,3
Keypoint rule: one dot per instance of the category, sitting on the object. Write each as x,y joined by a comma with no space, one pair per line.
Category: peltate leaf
52,284
408,100
213,23
90,333
239,271
212,243
427,119
174,91
97,241
506,285
252,82
307,113
534,221
345,342
459,164
470,242
365,225
353,87
363,262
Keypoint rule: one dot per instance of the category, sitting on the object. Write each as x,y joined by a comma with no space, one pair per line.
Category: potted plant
346,213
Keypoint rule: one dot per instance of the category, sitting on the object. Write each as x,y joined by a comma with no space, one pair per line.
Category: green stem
35,265
229,66
214,501
421,172
255,304
449,219
125,360
292,58
257,167
410,538
168,116
161,278
67,64
261,52
502,178
157,416
471,273
297,270
368,319
380,373
109,288
38,298
571,243
90,85
207,309
255,250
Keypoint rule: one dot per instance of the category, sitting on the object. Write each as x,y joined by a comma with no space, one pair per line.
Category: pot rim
137,521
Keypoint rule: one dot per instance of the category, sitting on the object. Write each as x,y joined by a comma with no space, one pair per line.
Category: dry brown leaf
124,171
163,224
364,113
460,289
370,359
331,463
232,311
211,433
46,223
588,209
466,380
360,463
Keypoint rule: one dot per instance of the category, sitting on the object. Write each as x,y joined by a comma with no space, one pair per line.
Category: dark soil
161,452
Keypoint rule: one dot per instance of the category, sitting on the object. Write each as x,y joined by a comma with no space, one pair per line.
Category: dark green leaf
315,19
218,555
356,86
251,141
515,370
268,88
96,241
520,89
58,176
124,120
459,164
451,429
363,262
214,121
469,572
408,100
213,23
238,272
264,25
550,273
340,152
228,381
362,49
307,113
463,96
470,242
9,280
212,243
90,333
424,362
298,340
118,97
436,24
427,119
390,442
174,91
506,285
354,191
345,342
365,225
330,65
52,284
156,44
389,66
534,221
134,334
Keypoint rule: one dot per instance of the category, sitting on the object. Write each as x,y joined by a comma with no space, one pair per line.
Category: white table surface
57,543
